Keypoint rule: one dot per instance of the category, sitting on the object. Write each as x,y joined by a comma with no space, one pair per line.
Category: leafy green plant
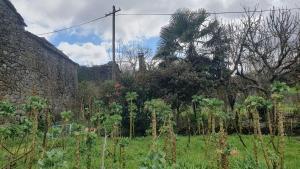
13,126
53,159
155,159
246,163
99,112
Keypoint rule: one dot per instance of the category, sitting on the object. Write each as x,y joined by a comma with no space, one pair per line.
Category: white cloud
85,54
49,15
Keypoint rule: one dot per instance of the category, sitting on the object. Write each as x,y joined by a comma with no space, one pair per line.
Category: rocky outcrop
29,63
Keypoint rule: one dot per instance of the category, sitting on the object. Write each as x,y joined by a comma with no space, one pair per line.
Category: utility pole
113,13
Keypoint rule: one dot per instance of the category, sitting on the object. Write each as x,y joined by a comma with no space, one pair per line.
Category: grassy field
191,156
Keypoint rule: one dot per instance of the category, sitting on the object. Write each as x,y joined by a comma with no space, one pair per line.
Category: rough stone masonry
29,63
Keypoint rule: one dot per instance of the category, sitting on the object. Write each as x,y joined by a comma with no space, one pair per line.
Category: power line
162,14
212,13
74,26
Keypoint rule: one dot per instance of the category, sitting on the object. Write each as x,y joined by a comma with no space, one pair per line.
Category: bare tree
127,57
265,48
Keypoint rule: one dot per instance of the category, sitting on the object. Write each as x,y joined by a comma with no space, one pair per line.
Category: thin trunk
239,122
115,142
281,145
131,121
122,161
258,132
255,151
269,123
133,133
103,151
199,128
154,135
213,124
224,164
173,140
77,151
34,137
89,152
209,124
291,125
189,131
63,134
130,126
45,131
81,116
270,126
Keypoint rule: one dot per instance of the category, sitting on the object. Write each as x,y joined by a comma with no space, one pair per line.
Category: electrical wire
213,13
160,14
74,26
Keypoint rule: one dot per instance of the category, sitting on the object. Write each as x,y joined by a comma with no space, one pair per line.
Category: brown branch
5,148
15,160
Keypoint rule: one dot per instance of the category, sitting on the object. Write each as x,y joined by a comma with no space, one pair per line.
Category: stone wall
97,73
29,63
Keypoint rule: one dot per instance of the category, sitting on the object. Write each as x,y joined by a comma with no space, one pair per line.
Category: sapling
155,107
198,104
187,113
214,109
160,111
122,158
278,91
78,140
240,113
171,140
34,106
115,111
223,146
109,123
239,110
132,108
66,116
165,116
90,140
212,105
150,106
47,122
78,132
98,115
253,103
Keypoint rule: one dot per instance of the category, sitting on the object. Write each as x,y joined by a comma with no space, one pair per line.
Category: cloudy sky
89,44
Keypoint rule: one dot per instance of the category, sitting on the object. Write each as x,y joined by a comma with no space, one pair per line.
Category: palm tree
184,32
66,116
130,98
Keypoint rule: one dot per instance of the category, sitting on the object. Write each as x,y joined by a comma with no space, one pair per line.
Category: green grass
194,155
